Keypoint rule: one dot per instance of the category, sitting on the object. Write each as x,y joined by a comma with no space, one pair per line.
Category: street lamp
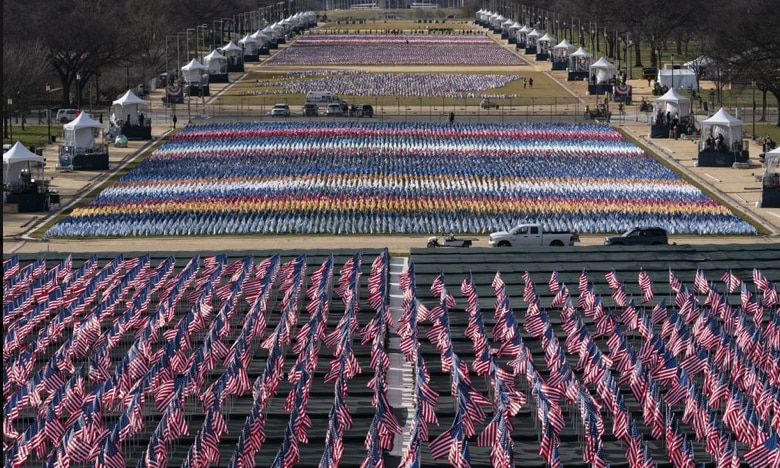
672,57
78,91
48,109
11,118
753,85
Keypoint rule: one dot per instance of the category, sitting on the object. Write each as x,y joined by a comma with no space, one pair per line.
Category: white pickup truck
532,235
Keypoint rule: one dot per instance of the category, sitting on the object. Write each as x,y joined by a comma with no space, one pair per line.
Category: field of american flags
514,360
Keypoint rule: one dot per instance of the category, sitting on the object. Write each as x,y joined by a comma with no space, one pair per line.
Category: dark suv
640,236
361,110
311,109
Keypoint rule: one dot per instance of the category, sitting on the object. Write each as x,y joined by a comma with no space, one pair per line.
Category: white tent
80,133
215,62
580,60
250,45
261,39
232,52
532,38
603,69
127,106
723,123
193,72
673,103
678,79
522,34
17,159
546,43
562,50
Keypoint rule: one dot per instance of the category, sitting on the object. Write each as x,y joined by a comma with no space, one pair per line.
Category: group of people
716,143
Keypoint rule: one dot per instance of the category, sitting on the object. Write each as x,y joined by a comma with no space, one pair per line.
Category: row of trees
96,49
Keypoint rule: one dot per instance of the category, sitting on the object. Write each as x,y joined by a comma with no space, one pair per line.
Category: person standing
173,117
452,118
530,82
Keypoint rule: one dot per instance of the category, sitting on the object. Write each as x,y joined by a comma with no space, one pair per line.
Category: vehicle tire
504,244
556,243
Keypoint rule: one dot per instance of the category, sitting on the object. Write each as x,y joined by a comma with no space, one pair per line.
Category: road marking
774,214
712,177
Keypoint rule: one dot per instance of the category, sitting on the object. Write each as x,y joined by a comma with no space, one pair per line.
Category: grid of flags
85,358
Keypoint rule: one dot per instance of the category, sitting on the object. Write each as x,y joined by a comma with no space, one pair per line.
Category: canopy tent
546,44
193,72
673,103
250,44
723,123
232,50
562,50
521,37
215,62
532,38
699,62
580,60
127,107
80,133
16,160
678,79
261,39
603,70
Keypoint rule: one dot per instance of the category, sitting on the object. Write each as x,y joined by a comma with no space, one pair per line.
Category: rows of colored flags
87,350
356,83
396,178
395,49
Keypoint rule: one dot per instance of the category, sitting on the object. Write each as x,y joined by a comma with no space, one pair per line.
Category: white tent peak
564,44
214,55
581,52
721,117
601,63
231,46
19,153
129,98
672,95
194,65
83,120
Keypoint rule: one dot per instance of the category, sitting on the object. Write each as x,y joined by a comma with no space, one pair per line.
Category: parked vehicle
645,235
323,98
280,110
449,241
334,110
66,115
600,112
532,235
488,104
361,110
311,110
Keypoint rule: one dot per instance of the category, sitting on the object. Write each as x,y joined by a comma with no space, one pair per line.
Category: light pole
78,91
753,85
672,57
48,109
11,118
630,66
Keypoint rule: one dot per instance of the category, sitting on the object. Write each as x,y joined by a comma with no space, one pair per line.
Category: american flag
646,286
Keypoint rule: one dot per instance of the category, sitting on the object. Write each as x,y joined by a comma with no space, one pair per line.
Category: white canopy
80,132
532,38
250,44
678,79
674,103
127,106
603,69
261,38
215,62
193,71
15,160
725,124
561,51
231,49
515,26
545,43
580,60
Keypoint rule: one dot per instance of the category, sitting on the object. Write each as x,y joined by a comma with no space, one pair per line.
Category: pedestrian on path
452,118
525,82
173,117
530,82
